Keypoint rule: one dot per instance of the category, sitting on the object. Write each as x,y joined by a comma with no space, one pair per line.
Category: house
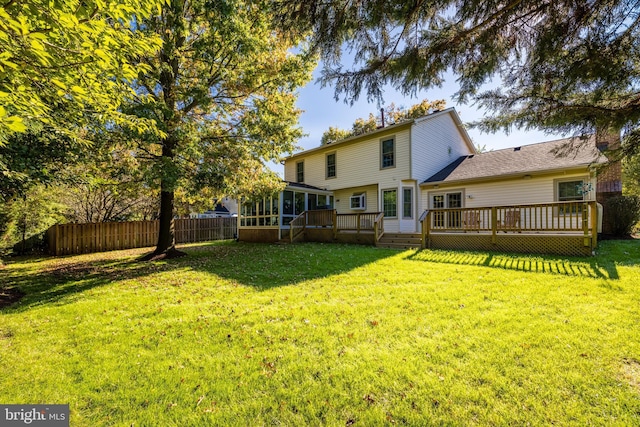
428,166
520,175
224,208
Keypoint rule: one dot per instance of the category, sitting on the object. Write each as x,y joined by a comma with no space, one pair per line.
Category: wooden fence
68,239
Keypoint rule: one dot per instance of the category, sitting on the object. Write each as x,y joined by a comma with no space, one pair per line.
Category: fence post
56,240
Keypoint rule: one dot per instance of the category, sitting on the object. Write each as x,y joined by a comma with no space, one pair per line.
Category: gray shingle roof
526,159
301,185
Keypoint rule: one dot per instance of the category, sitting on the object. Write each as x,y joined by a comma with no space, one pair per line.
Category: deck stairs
400,241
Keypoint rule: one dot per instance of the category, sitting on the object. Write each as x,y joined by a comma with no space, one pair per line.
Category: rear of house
520,175
422,168
381,171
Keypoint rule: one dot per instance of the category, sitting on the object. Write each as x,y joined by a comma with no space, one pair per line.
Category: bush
34,244
624,212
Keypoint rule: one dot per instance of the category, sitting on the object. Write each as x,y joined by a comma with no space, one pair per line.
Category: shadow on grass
56,280
595,267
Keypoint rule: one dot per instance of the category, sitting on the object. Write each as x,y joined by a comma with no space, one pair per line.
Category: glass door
448,201
437,202
454,200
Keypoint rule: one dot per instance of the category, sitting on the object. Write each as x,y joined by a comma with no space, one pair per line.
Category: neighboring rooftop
523,160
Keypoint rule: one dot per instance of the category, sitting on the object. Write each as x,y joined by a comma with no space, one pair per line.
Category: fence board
69,239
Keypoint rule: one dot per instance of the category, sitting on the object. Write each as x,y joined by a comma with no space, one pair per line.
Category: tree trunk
166,237
166,247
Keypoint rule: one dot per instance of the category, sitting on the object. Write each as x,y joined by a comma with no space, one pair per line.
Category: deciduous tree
72,57
392,115
222,89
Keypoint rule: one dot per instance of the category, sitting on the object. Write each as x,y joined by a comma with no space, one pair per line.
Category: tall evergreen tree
569,66
222,89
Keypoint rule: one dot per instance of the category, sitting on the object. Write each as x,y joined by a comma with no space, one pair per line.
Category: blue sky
321,110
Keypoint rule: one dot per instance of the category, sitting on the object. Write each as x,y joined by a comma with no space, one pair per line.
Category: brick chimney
609,177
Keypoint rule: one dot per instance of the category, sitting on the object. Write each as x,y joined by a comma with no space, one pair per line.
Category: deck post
585,224
358,222
375,233
594,224
494,224
335,223
426,221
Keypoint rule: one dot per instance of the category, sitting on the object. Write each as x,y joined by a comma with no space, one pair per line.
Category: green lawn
312,334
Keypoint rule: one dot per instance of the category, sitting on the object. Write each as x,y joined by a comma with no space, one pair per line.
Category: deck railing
378,227
357,221
328,218
579,217
297,226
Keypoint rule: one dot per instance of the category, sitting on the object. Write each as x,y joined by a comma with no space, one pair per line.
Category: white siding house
387,164
427,163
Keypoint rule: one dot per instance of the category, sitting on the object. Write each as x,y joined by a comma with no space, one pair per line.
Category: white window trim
403,202
557,182
335,165
301,162
362,202
392,138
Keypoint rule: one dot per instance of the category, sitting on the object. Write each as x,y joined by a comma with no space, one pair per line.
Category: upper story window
300,171
387,153
331,165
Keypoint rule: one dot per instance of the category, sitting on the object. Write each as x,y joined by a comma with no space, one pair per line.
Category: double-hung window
331,165
300,171
387,153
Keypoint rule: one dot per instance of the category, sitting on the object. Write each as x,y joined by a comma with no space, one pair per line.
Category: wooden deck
328,226
564,228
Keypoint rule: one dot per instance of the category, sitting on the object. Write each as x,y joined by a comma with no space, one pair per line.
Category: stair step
399,245
400,241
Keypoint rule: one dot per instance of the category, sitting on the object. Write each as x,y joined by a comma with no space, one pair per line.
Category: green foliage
624,212
222,88
367,125
631,175
32,158
334,134
72,57
30,215
310,334
563,66
481,148
392,115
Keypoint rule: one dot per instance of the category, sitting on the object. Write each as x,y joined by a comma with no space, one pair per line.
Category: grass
312,334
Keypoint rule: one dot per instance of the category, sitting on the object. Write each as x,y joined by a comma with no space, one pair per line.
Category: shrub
624,212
